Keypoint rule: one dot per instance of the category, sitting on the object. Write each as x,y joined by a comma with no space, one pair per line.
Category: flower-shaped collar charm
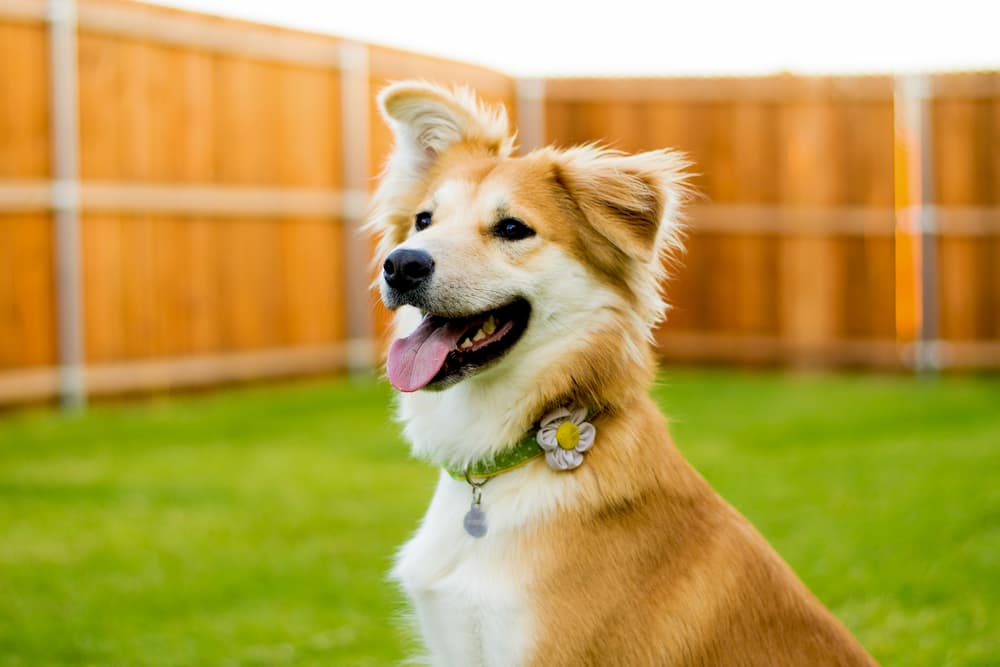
565,436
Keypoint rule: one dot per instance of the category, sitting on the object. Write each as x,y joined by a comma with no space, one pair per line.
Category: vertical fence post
530,113
354,93
66,200
916,234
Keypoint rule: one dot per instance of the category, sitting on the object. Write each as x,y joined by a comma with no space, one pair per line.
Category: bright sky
657,37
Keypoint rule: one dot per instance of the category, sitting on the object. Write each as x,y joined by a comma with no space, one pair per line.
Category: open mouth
443,350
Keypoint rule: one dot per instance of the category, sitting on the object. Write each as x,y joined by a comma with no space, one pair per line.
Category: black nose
406,269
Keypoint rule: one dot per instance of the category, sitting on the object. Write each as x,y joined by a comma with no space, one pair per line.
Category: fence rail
224,166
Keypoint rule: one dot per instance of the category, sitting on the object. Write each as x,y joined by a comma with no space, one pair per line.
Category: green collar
526,449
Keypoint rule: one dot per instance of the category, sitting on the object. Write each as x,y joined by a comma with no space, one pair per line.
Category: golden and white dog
523,285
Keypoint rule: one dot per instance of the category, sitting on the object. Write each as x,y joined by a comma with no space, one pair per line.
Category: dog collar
562,436
526,449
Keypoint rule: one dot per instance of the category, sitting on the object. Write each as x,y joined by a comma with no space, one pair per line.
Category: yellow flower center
568,435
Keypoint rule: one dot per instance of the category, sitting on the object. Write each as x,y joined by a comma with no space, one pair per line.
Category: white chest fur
469,594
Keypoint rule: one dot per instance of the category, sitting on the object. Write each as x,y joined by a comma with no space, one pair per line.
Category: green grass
255,526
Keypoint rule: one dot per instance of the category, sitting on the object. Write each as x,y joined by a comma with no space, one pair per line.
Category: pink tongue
415,360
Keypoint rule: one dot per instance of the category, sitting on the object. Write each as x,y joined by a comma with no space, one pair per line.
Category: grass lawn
255,526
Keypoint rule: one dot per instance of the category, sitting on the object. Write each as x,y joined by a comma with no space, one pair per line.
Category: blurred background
181,192
210,175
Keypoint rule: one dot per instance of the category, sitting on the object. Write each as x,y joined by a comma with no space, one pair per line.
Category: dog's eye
511,229
423,221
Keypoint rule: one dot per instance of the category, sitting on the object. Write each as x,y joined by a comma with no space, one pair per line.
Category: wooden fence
223,173
223,169
795,254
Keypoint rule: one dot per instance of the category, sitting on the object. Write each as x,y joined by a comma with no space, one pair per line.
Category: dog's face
497,263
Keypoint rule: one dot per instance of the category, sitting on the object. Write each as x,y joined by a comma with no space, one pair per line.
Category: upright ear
631,201
427,120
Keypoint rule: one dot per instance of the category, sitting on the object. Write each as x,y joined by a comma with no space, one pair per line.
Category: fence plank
869,306
810,269
100,72
994,304
24,124
27,312
27,317
964,148
754,160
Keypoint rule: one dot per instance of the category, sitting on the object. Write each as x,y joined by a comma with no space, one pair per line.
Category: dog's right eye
423,221
512,229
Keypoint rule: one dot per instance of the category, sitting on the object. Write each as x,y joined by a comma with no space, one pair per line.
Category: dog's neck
477,419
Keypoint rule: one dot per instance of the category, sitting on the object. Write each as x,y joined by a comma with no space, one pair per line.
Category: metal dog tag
475,518
475,521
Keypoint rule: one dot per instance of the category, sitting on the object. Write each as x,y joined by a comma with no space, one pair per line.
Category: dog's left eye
422,221
512,229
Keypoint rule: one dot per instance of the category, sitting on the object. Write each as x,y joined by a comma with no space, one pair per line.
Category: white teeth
487,329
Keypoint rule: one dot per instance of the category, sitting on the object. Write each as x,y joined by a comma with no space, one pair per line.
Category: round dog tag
475,521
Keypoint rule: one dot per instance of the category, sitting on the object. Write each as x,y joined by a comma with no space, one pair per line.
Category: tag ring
475,485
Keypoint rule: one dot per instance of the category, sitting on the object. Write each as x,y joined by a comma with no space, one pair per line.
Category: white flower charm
565,436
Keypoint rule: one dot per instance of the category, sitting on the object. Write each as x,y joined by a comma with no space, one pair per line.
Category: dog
565,527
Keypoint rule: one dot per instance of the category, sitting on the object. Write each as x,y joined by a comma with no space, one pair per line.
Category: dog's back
662,571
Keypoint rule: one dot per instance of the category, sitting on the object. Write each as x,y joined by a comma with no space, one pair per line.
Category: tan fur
664,572
646,565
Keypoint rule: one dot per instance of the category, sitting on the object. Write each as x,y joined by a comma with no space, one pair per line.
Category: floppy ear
427,120
632,201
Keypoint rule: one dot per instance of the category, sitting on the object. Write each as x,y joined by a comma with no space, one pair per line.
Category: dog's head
503,266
